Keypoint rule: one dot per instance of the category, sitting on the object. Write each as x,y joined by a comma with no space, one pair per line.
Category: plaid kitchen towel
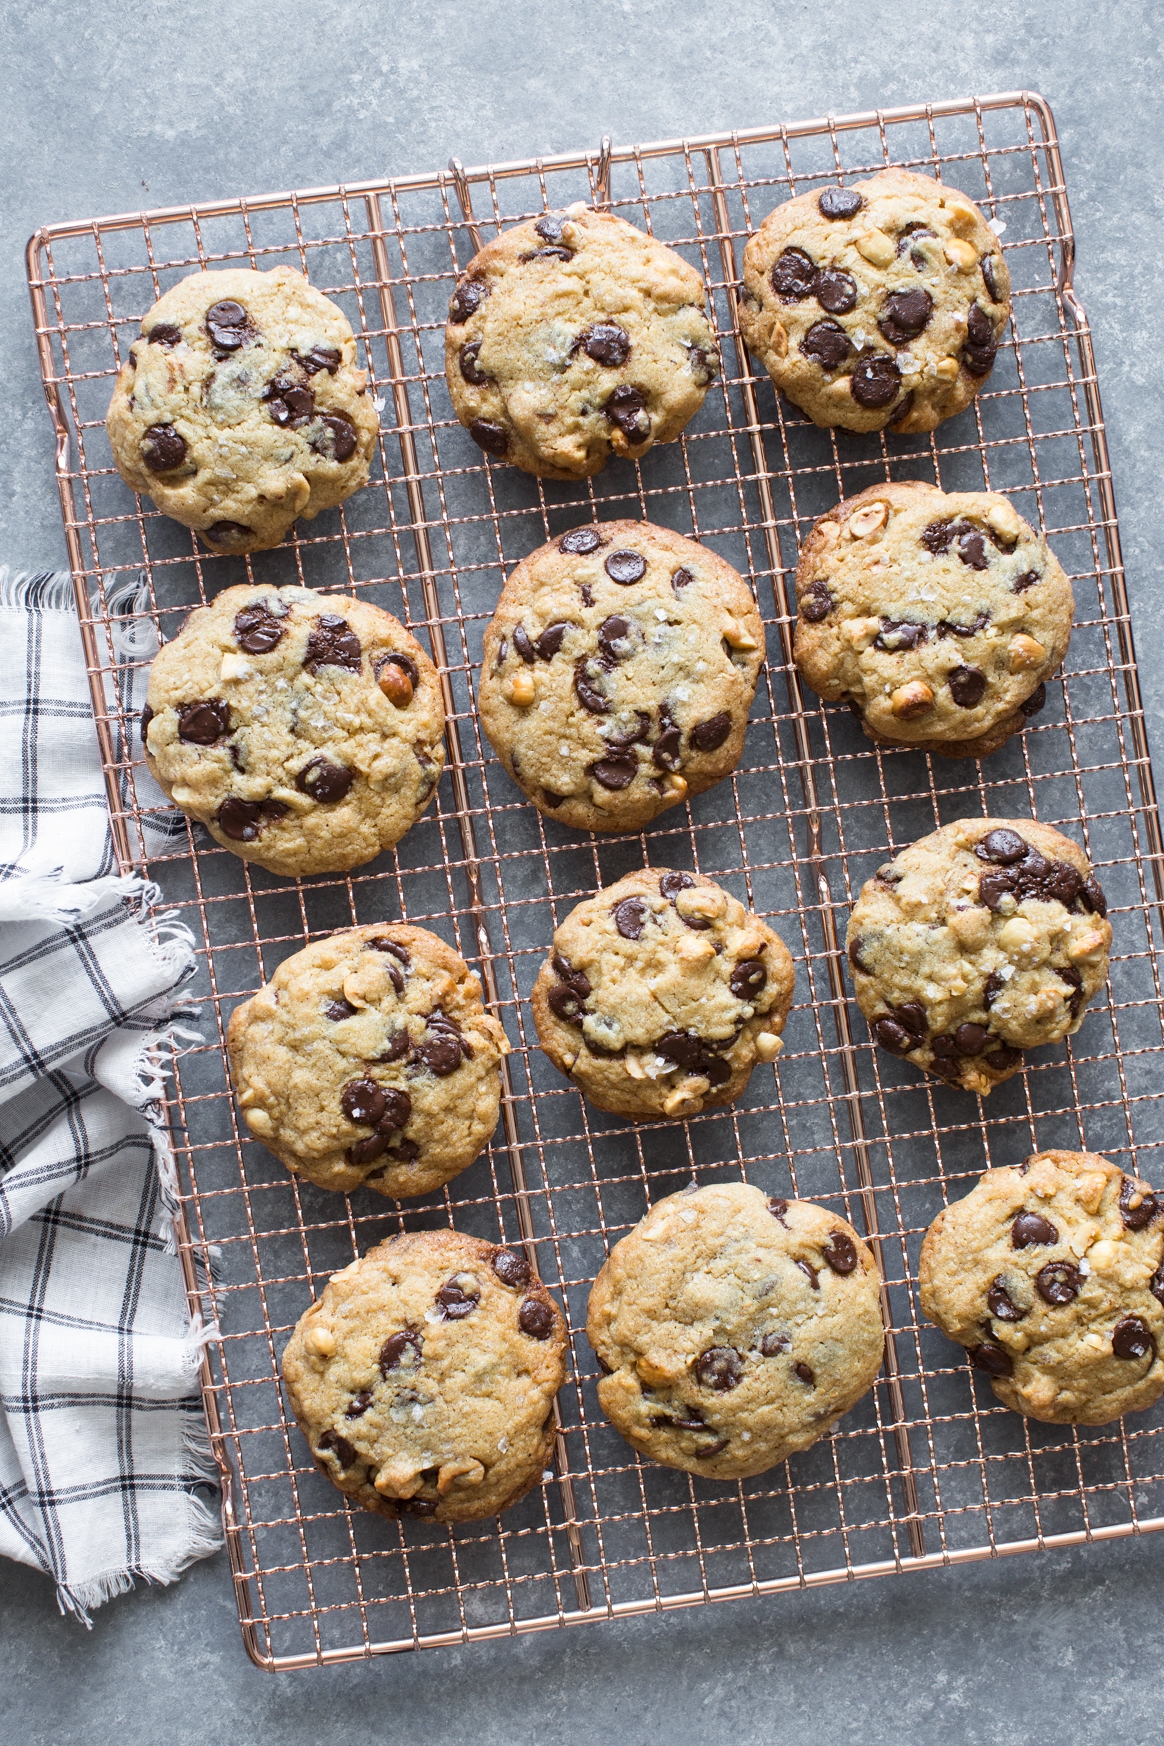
103,1447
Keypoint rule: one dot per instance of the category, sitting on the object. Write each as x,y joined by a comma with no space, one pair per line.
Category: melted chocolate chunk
805,1373
947,627
493,438
467,361
1132,1338
442,1047
455,1301
229,327
338,1010
1059,1282
359,1404
588,673
704,365
163,334
615,772
605,343
817,603
324,781
839,202
523,645
549,228
994,1359
512,1268
1004,1058
773,1344
398,1349
1002,847
855,958
828,343
1035,701
778,1208
898,634
840,1252
162,449
619,739
907,314
889,1034
1156,1284
990,278
875,380
147,715
810,1273
681,579
551,253
203,722
319,358
257,629
226,533
979,327
468,296
967,687
550,640
1031,1230
362,1100
1001,1304
1092,896
720,1368
332,643
289,404
580,541
615,638
536,1319
709,735
671,884
793,276
339,1446
625,567
398,1046
626,408
747,979
242,820
336,438
630,917
1138,1206
836,291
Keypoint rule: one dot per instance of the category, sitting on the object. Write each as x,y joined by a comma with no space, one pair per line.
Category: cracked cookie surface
424,1376
734,1329
937,617
241,407
878,304
661,995
618,672
303,730
987,938
369,1058
1051,1274
575,337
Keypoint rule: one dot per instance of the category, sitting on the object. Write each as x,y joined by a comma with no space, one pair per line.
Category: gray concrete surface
104,108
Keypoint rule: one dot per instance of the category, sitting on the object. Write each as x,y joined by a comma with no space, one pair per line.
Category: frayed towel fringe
36,590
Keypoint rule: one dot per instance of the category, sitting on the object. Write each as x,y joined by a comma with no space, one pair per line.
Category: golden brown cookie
302,729
369,1058
241,407
661,995
1052,1276
987,938
574,337
618,672
937,617
878,304
734,1329
424,1377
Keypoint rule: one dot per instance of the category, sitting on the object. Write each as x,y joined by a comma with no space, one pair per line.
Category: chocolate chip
336,438
605,343
580,541
550,640
967,687
778,1208
817,603
875,380
709,735
549,228
979,360
1059,1282
319,358
493,438
990,278
398,1348
828,343
164,334
810,1273
1156,1284
343,1451
840,1252
836,291
773,1344
972,549
362,1100
1070,975
720,1368
382,944
332,643
456,1302
672,883
468,296
1092,896
226,533
630,917
979,326
399,1044
416,1506
839,202
257,630
913,1016
995,1360
625,567
1000,1303
338,1010
682,578
162,449
229,327
536,1319
468,363
577,979
947,628
907,314
1139,1215
147,715
898,634
1132,1338
747,979
1031,1230
523,645
684,1048
242,820
1035,701
614,772
891,1035
1001,1060
203,722
804,1372
358,1406
440,1050
615,637
1061,882
937,536
324,781
587,672
512,1268
288,403
626,408
566,1003
793,276
547,254
704,365
1002,847
855,958
970,1039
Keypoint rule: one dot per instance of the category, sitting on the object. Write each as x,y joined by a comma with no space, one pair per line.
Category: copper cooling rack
928,1469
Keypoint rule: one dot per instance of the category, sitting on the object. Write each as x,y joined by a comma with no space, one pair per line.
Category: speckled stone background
105,108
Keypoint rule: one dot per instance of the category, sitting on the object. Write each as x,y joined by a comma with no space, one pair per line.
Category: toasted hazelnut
947,369
1089,1189
876,247
841,389
248,1098
520,690
1103,1255
1025,653
960,213
1087,945
648,1369
768,1045
259,1122
235,667
911,700
962,255
321,1341
1017,937
633,1066
970,927
738,637
860,632
701,900
828,531
686,1099
395,684
1004,520
867,519
676,786
468,1471
779,340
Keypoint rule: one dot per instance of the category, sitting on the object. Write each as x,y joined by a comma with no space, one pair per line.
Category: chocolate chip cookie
424,1377
878,304
576,337
302,729
369,1058
618,672
661,994
734,1330
938,618
241,408
987,938
1052,1276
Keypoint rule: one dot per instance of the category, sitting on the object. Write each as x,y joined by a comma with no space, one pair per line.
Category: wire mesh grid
928,1468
